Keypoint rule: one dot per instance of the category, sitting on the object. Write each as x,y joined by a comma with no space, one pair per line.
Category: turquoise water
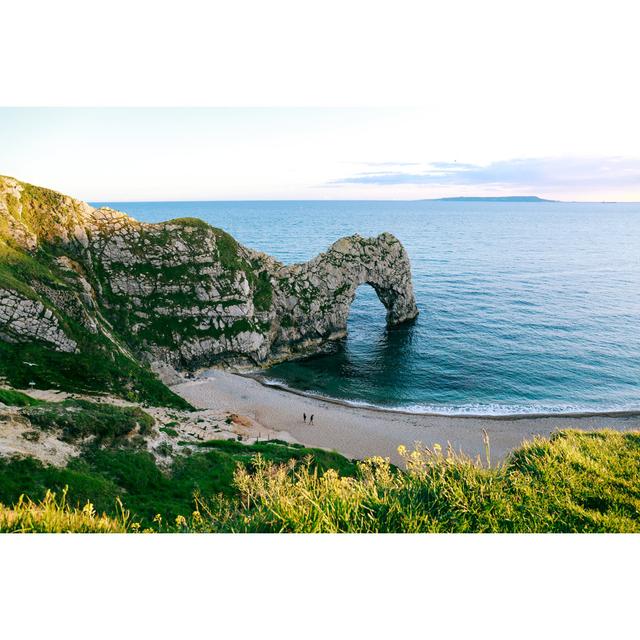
524,307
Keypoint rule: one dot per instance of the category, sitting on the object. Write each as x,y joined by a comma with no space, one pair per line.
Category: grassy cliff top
573,482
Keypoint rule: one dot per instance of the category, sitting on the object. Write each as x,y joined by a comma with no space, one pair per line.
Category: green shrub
164,449
80,419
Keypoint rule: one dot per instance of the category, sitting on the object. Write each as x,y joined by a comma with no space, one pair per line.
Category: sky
560,151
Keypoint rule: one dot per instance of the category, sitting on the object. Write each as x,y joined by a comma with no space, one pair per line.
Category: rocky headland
93,298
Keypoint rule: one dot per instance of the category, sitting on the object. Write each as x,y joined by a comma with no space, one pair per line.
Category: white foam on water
468,410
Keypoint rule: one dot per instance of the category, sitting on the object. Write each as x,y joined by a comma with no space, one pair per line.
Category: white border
493,586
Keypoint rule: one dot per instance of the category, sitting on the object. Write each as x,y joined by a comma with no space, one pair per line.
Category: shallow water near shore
524,307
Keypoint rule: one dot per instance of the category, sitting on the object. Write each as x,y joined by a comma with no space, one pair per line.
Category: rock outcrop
23,320
180,292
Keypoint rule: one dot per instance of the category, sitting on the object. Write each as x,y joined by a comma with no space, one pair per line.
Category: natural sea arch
319,293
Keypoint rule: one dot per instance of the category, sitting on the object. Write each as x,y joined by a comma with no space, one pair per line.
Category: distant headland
493,199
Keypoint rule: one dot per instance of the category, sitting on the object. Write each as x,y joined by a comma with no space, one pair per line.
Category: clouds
229,154
526,174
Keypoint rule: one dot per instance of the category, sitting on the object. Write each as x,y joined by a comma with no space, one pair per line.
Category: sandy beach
361,432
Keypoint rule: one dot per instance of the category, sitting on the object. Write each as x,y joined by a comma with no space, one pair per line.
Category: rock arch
313,299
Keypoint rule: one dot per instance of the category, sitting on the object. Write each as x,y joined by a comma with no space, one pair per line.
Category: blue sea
524,307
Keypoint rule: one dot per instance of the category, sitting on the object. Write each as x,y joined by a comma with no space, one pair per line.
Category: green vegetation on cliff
93,370
574,482
13,398
19,269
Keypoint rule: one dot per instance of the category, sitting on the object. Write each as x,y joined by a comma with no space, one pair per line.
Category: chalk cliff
80,280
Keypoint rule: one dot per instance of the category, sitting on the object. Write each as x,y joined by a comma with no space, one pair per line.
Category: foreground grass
574,482
104,475
52,515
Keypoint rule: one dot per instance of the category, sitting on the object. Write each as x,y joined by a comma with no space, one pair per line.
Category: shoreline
359,432
621,413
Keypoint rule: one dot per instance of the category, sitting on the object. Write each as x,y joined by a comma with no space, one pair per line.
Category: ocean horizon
525,307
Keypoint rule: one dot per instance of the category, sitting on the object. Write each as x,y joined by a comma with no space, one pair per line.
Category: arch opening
367,312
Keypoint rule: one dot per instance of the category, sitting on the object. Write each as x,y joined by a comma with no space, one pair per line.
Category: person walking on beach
304,418
311,419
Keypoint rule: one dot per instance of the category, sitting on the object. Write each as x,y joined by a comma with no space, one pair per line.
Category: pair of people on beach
304,418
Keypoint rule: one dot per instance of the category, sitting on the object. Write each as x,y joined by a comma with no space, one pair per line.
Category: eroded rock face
182,292
25,320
